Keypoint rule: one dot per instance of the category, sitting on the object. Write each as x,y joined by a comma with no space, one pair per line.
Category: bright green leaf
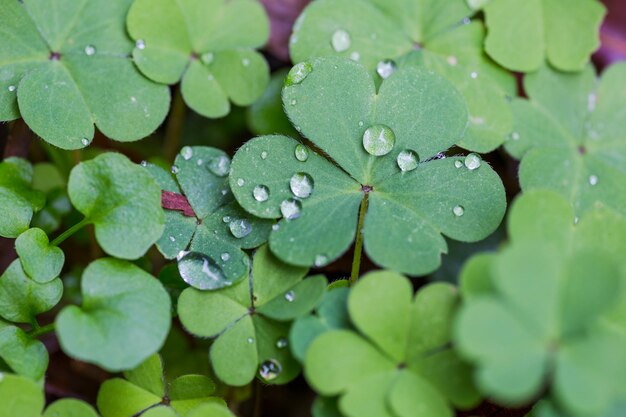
69,407
20,397
41,261
18,200
24,355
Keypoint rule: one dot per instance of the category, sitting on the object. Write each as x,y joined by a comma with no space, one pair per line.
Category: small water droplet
301,185
386,68
477,120
458,211
219,166
133,99
240,228
172,239
224,192
407,160
144,163
186,152
200,271
355,56
298,73
290,296
291,209
275,227
12,88
340,40
240,182
250,340
282,343
175,169
458,163
199,162
140,44
293,102
261,193
270,369
302,154
225,256
515,136
320,260
576,220
593,179
472,161
90,50
245,62
452,61
226,219
207,58
378,140
474,74
360,123
591,101
84,141
466,20
263,155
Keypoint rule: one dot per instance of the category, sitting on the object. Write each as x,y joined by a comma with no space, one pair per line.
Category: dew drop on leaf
282,343
291,209
275,227
270,369
407,160
301,185
378,140
474,75
144,163
199,270
245,62
386,68
290,296
172,239
593,179
207,58
298,73
90,50
515,136
84,141
226,219
250,340
175,169
240,228
186,152
261,193
472,161
458,163
220,166
320,260
302,154
355,56
12,88
452,61
340,40
225,256
294,102
458,211
240,182
140,44
263,155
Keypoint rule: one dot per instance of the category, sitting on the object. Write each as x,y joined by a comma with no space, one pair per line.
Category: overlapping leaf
41,261
250,321
207,45
399,361
414,196
571,138
24,355
425,33
18,200
71,58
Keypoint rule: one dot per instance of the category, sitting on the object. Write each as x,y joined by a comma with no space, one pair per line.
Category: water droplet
175,169
200,271
290,296
245,62
515,135
270,369
593,179
186,152
458,163
225,256
378,140
298,73
226,219
452,61
477,120
241,182
250,340
291,209
474,74
263,155
591,101
240,228
360,123
172,239
224,192
199,162
294,102
302,154
320,260
12,88
576,220
275,227
407,160
355,56
144,163
472,161
466,20
386,68
440,155
220,166
84,141
458,211
207,58
133,99
340,40
282,343
90,50
261,193
301,185
140,44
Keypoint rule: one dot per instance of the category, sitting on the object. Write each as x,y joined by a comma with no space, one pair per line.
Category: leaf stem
358,245
69,232
39,330
174,129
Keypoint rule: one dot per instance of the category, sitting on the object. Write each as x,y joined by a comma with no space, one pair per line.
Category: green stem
174,129
258,399
69,232
358,245
38,331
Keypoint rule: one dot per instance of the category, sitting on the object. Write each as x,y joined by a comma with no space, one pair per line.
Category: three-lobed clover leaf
144,392
18,200
208,242
250,321
121,304
24,355
413,196
398,360
41,261
570,136
523,34
206,45
384,34
73,60
121,200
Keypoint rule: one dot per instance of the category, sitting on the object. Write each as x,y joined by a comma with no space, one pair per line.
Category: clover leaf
398,360
73,60
41,261
69,407
121,200
24,355
18,200
143,392
570,136
522,35
20,396
412,196
250,321
267,116
208,241
120,303
439,36
207,45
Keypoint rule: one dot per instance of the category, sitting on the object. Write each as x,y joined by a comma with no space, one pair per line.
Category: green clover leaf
20,396
120,303
523,34
570,136
73,60
23,354
250,321
208,242
399,360
143,391
18,200
69,407
207,45
121,200
412,194
41,261
383,34
267,116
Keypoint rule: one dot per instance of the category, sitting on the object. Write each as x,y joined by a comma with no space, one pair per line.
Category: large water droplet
340,40
240,228
458,211
200,271
385,68
301,185
593,179
261,193
291,209
186,152
378,140
472,161
282,343
290,296
90,50
298,73
407,160
220,166
302,154
270,369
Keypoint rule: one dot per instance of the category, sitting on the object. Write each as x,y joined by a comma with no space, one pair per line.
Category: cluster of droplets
472,162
